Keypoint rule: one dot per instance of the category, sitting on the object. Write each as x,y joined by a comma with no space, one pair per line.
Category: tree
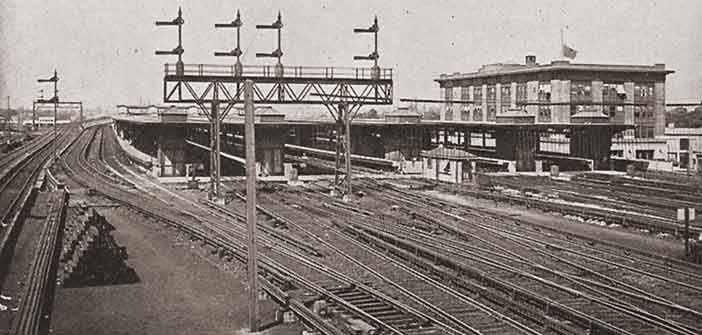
369,114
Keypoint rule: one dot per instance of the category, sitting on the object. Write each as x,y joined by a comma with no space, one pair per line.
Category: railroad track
16,186
520,249
626,215
482,274
343,291
36,297
25,150
89,175
419,292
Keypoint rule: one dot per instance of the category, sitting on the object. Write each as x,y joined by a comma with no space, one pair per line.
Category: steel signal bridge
216,89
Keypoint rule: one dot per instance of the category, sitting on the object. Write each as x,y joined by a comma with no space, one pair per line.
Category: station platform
283,179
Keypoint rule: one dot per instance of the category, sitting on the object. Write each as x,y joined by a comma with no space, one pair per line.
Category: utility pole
250,138
687,231
19,122
7,120
686,215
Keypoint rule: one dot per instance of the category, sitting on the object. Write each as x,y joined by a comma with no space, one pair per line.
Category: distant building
567,93
45,121
684,146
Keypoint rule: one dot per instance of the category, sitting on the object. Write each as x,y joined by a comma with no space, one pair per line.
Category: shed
448,164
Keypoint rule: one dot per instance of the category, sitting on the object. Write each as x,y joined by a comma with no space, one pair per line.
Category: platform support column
251,203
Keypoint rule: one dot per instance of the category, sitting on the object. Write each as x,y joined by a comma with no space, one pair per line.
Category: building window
521,92
644,132
575,109
448,95
505,92
435,137
490,140
454,138
614,111
477,94
478,114
476,139
643,91
644,154
491,94
613,92
465,93
461,135
643,113
617,153
465,114
684,144
580,90
544,100
619,135
684,159
504,108
430,164
491,112
449,113
544,91
544,113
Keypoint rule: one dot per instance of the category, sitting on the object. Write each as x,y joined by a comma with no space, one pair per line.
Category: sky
104,50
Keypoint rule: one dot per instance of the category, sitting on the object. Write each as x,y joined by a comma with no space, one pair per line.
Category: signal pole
55,100
278,52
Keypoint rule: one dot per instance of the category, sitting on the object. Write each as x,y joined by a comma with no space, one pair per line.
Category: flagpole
560,47
562,41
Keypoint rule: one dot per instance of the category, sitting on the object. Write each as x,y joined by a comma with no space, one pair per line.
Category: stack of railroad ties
89,254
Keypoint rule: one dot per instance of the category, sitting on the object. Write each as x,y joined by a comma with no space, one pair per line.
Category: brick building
563,93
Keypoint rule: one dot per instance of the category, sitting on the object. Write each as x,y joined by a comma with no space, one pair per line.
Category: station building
567,93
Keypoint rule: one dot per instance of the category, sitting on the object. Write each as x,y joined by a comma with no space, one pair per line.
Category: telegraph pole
250,139
7,120
20,127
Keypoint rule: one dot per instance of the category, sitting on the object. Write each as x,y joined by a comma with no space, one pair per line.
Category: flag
569,52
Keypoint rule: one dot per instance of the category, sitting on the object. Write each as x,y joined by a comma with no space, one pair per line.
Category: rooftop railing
269,71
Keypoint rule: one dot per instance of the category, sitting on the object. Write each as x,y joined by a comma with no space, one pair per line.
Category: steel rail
204,235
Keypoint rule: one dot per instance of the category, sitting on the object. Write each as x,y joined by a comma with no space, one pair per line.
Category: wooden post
687,231
7,121
251,203
34,116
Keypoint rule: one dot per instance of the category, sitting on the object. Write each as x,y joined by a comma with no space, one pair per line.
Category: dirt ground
182,290
640,241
